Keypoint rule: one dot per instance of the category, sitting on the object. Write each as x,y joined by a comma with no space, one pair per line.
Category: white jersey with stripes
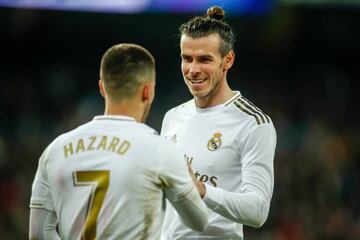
108,178
231,148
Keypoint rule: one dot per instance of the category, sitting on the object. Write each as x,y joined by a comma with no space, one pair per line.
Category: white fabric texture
108,179
231,147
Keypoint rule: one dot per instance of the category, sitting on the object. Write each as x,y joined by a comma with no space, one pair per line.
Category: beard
214,85
211,91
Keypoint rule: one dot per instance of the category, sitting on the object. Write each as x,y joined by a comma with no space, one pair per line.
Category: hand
199,184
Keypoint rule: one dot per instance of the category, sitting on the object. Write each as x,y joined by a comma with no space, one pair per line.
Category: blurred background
296,59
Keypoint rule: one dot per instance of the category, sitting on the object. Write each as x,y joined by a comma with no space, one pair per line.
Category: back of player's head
124,67
212,22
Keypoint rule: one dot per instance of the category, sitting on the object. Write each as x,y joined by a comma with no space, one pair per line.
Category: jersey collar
114,118
220,106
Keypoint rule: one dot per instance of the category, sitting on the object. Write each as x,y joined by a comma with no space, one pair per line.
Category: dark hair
124,67
212,22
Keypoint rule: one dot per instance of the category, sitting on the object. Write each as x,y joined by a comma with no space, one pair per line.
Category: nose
194,68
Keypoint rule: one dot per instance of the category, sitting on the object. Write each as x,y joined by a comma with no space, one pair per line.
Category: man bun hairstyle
216,12
124,67
212,22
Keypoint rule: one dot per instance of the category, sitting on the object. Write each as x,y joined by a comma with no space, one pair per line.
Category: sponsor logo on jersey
215,142
200,176
172,138
205,178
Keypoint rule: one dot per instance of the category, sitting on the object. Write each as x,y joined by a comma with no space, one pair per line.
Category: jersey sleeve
42,225
181,191
251,205
41,195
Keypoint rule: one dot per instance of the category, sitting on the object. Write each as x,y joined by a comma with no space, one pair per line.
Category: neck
125,108
219,96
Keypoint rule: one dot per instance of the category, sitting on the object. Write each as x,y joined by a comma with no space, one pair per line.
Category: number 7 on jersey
99,180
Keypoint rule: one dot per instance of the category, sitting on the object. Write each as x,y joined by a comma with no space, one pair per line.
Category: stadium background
298,62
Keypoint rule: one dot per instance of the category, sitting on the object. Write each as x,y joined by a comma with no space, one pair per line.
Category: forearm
42,225
192,211
249,208
251,203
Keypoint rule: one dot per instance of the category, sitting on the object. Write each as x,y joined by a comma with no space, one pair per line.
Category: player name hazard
97,143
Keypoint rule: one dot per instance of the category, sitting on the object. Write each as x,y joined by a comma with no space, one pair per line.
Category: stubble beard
212,91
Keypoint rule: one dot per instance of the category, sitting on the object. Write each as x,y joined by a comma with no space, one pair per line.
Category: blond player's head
127,75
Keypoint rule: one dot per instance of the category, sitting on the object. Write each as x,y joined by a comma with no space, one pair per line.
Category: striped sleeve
249,108
41,195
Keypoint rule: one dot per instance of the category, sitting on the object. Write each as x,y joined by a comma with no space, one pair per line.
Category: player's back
104,180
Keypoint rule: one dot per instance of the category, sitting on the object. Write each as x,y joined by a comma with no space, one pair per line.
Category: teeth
196,81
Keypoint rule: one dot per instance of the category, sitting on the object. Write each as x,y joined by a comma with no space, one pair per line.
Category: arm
43,219
192,210
251,205
42,225
180,190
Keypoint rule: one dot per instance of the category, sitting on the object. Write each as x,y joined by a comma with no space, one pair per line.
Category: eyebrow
200,56
206,56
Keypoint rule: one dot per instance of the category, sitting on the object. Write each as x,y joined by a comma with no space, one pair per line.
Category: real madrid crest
215,142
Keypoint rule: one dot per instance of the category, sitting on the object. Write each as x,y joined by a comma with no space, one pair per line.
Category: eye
186,59
204,59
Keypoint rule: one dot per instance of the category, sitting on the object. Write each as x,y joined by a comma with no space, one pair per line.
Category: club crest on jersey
215,142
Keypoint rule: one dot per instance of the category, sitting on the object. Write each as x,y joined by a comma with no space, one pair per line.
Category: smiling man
204,69
229,142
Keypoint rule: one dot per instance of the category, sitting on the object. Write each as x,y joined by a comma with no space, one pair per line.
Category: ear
229,60
145,96
101,88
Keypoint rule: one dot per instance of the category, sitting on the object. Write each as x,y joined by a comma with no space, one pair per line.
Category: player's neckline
218,107
114,117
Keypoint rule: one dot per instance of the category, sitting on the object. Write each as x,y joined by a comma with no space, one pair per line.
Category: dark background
299,64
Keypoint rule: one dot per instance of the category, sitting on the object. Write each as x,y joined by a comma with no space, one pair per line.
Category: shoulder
59,141
249,120
178,115
147,130
184,109
246,111
152,142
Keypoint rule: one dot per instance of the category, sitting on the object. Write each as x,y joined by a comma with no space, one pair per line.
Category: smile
197,81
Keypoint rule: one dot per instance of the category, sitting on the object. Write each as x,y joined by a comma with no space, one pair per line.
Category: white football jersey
108,179
231,148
